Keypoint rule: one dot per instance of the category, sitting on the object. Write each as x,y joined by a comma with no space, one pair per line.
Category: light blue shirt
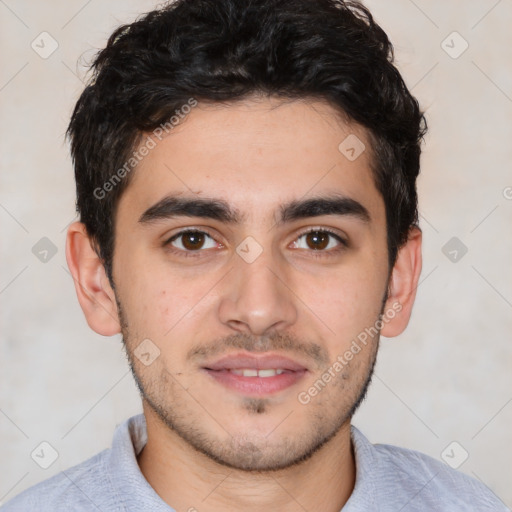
388,478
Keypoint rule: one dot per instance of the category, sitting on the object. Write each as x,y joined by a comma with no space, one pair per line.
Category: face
246,302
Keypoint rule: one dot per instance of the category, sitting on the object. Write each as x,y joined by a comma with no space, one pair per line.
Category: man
248,221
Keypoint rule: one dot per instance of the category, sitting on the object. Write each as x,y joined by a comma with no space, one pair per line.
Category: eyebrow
173,206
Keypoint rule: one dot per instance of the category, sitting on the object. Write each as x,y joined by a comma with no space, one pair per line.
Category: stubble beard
245,452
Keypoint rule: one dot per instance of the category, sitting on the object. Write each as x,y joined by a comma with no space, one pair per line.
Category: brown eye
320,240
190,240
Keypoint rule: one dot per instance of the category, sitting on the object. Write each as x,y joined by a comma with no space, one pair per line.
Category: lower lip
256,385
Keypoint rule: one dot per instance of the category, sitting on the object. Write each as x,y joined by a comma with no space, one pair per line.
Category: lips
267,362
253,375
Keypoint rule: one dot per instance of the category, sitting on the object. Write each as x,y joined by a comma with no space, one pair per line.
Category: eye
321,240
192,240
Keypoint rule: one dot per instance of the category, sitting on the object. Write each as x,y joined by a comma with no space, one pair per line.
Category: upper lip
263,362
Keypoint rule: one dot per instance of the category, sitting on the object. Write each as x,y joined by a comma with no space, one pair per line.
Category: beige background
447,378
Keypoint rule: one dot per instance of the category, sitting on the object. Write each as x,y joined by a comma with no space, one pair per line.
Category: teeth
252,372
267,373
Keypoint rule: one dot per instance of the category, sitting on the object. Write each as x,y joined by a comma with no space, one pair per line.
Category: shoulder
417,481
435,481
82,487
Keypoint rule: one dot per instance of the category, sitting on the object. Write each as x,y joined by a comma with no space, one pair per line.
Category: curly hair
227,50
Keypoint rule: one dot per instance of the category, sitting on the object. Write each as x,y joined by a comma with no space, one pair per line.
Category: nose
256,298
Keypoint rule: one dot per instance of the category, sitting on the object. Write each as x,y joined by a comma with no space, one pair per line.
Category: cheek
174,305
165,305
146,299
347,301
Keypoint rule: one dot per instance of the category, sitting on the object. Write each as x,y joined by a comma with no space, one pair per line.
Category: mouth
255,376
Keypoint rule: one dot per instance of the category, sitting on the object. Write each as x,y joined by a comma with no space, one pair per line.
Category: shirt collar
135,493
133,490
363,497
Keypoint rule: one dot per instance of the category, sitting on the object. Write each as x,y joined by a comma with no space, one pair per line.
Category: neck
188,480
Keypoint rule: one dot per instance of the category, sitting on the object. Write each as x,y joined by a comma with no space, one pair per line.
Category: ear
93,289
402,286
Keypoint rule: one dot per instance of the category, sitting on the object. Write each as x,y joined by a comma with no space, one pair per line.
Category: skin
209,447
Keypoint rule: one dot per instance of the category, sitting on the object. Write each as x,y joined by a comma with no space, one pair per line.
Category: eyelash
316,254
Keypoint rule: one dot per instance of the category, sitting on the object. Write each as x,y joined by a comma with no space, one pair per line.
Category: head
246,184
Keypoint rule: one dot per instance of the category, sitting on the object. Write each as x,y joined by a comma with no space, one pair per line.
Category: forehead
257,154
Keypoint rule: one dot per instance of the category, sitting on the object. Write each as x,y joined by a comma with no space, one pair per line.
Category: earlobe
93,289
402,286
